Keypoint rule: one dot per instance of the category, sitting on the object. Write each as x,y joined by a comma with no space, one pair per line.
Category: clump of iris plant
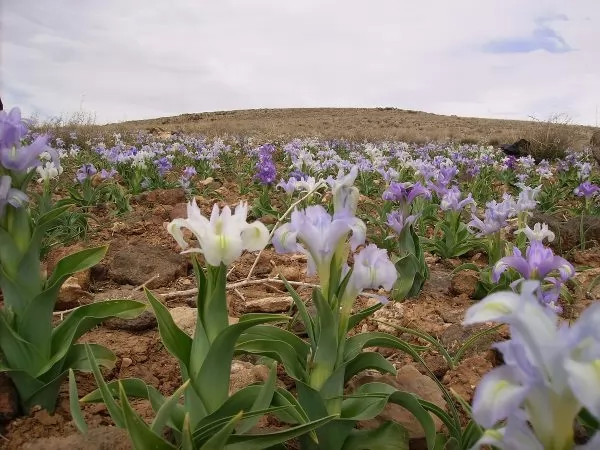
407,252
550,373
539,263
586,191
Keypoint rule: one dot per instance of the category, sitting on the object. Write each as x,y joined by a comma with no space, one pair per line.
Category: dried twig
285,214
145,283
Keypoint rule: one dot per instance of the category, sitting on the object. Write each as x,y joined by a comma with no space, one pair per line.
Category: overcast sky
133,59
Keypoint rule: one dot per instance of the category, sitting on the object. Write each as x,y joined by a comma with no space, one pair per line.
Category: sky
136,59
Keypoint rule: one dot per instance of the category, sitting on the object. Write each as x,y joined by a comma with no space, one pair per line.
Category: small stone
464,282
145,321
393,313
290,273
126,362
270,304
71,295
244,374
186,317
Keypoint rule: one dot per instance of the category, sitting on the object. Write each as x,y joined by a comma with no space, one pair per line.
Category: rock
166,196
101,438
393,313
269,304
71,295
145,321
408,379
179,211
464,282
567,236
290,273
244,374
9,400
185,318
591,227
136,264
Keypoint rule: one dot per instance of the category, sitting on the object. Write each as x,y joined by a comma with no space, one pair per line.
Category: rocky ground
142,253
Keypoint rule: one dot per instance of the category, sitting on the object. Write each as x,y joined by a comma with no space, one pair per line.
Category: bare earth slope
359,124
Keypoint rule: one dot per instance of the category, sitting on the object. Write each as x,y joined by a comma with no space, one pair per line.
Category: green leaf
18,354
76,262
77,359
277,350
389,436
187,442
74,405
306,318
216,368
175,340
220,439
83,319
166,409
325,357
365,361
142,437
115,411
262,401
356,318
261,441
301,348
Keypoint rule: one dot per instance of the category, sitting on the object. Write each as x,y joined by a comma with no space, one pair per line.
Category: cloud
543,37
143,59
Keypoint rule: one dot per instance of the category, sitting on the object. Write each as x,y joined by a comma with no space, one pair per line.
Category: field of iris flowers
174,291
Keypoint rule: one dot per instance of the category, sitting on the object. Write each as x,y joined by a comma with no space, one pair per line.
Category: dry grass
356,124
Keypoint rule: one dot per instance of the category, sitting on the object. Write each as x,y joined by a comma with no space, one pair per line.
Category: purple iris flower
12,128
537,264
586,190
189,172
404,192
84,172
10,195
398,222
22,158
163,165
451,200
265,167
107,174
319,234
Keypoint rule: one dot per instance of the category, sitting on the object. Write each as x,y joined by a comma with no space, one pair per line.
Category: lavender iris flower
586,190
12,128
538,263
21,159
316,233
107,174
265,167
549,373
451,200
372,269
398,222
288,186
84,172
405,192
10,195
163,165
